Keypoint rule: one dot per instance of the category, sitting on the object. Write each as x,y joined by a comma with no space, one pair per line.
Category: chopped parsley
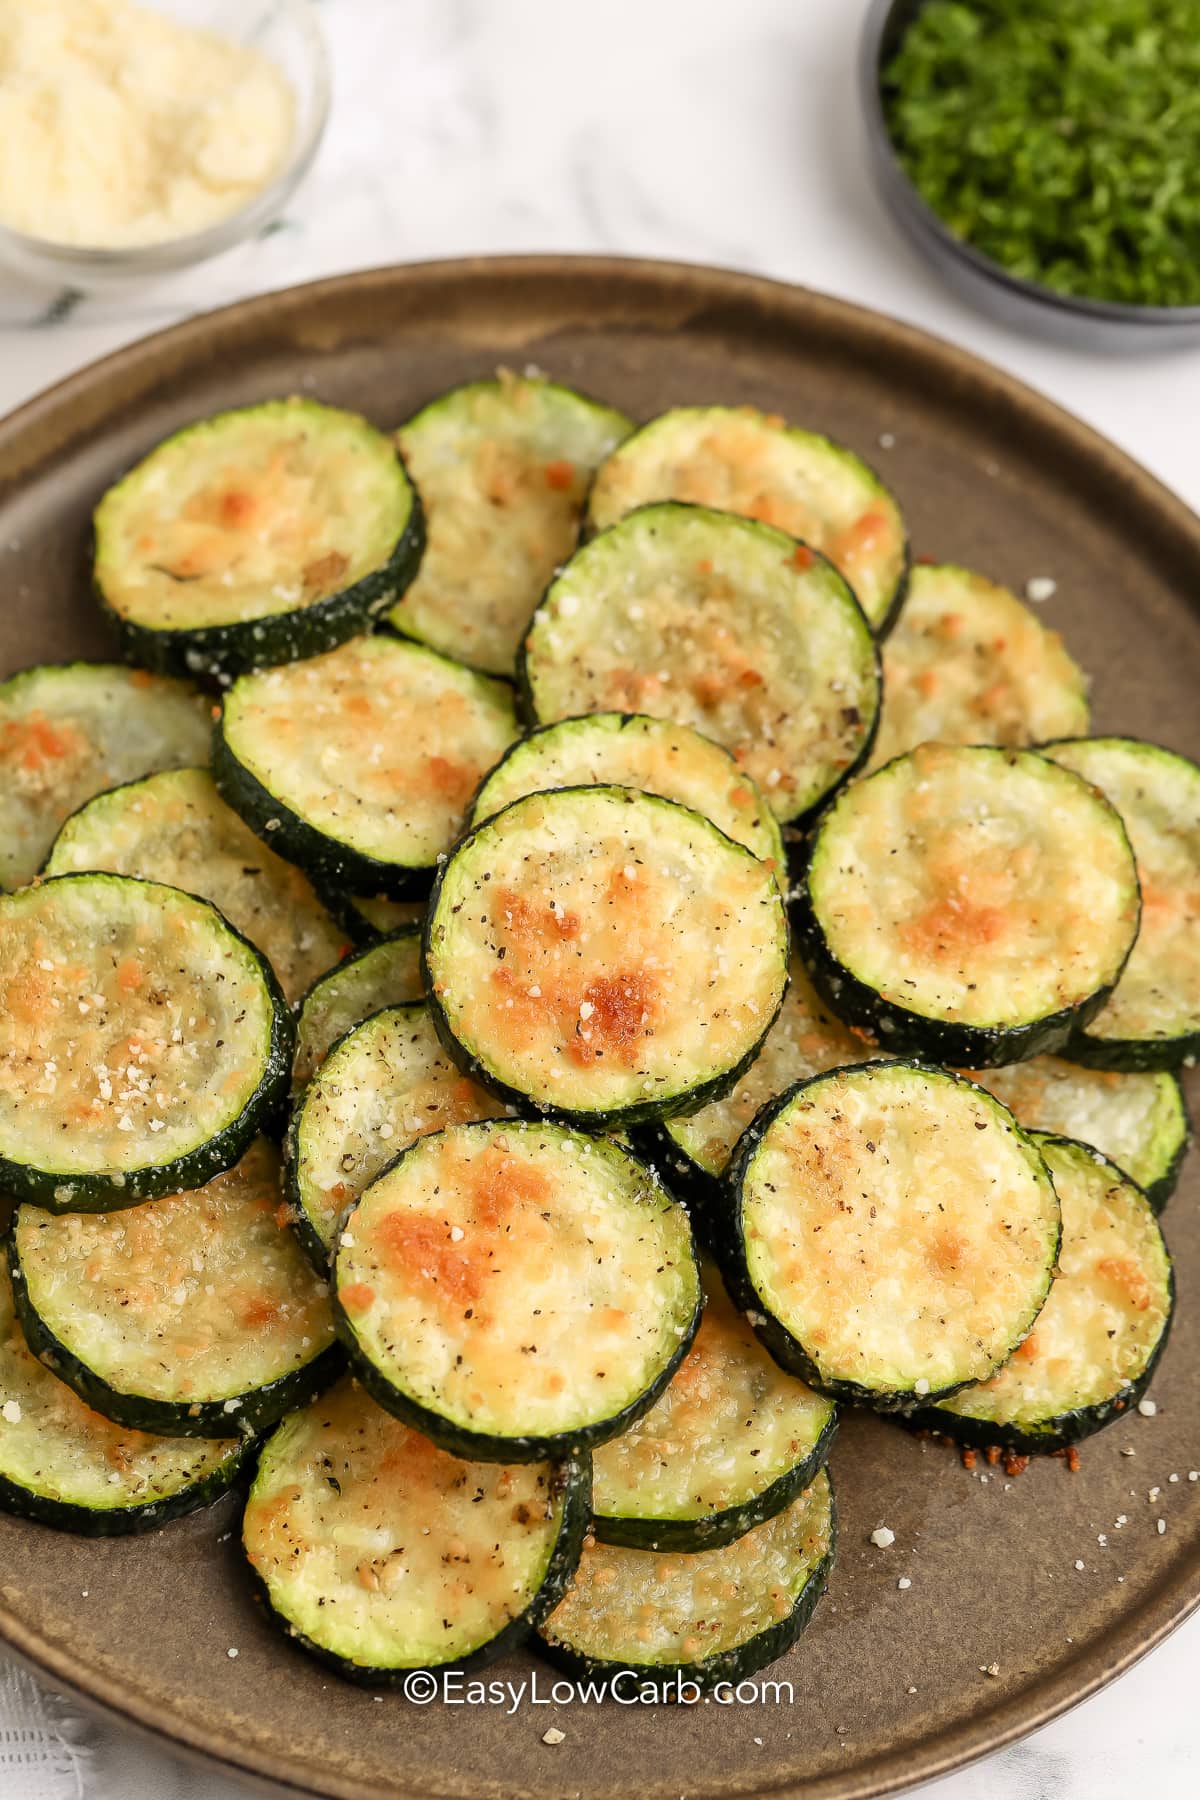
1061,138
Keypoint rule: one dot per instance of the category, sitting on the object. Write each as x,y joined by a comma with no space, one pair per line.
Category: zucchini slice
64,1465
1102,1329
1139,1121
969,663
516,1290
378,1553
359,765
643,1619
176,829
632,750
503,467
744,461
143,1042
694,1149
195,1314
604,954
1153,1019
70,730
731,1440
385,973
721,623
387,1083
894,1233
258,536
968,904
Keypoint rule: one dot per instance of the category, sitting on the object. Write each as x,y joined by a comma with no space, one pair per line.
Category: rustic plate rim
1175,1597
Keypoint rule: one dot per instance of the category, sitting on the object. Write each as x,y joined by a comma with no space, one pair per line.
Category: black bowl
1027,305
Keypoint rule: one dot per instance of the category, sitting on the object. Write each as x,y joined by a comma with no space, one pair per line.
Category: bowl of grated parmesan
138,137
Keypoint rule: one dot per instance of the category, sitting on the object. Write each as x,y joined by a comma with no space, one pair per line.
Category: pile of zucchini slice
621,968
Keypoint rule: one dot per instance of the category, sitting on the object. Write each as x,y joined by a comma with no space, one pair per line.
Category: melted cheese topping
69,733
249,514
502,468
742,461
518,1278
729,1423
975,885
733,628
596,948
639,1607
387,974
379,744
175,828
968,663
1158,796
54,1446
133,1025
388,1084
196,1297
900,1227
1137,1120
805,1040
1107,1308
381,1548
655,755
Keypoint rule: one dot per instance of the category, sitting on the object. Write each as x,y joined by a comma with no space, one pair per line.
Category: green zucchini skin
264,1111
256,1410
705,1196
129,1521
722,1527
328,865
729,1249
1159,1191
477,1446
728,1665
576,1473
1132,1056
346,912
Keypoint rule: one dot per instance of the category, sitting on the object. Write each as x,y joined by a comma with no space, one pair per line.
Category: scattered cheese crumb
1040,587
231,1653
883,1537
903,1583
921,1386
553,1736
1147,1408
887,440
1079,1563
989,1668
1161,1527
10,1412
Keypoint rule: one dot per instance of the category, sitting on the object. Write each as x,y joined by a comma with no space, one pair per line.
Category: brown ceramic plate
988,474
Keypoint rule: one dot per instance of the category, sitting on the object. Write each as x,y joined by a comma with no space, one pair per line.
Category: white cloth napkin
44,1754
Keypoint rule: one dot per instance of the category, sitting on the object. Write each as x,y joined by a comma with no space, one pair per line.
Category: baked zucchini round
384,973
385,1084
502,467
894,1233
517,1291
70,730
258,536
65,1466
633,750
969,663
1102,1329
359,765
175,828
721,623
1139,1121
648,1620
143,1042
194,1315
1152,1020
604,954
731,1440
379,1553
744,461
968,904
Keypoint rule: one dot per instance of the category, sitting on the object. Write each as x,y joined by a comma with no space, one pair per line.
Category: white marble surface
679,128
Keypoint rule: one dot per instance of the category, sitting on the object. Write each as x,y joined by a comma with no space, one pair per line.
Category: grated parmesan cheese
120,127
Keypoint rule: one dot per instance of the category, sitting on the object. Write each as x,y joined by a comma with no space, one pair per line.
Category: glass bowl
1104,325
287,33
